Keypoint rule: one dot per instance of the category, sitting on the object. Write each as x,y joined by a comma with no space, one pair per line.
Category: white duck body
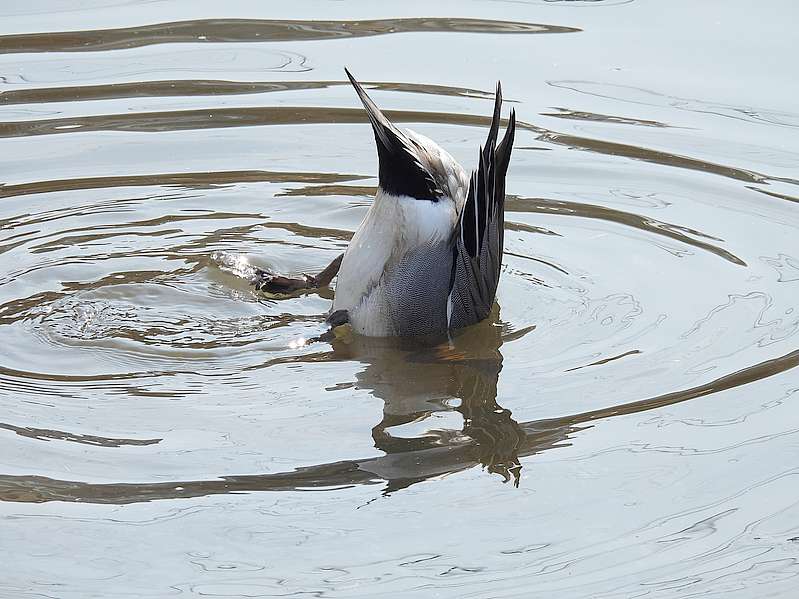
395,273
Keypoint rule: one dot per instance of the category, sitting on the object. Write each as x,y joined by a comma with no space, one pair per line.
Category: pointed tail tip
511,130
365,99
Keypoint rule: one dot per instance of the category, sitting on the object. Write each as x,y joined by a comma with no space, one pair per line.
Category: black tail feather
400,171
477,252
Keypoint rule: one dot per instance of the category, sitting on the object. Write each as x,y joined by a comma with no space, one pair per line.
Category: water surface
622,426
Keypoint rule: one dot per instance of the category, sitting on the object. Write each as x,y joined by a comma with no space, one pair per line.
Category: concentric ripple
162,422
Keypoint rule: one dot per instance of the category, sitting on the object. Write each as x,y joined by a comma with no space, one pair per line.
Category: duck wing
479,236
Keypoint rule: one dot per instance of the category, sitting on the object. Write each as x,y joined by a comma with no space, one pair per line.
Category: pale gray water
165,432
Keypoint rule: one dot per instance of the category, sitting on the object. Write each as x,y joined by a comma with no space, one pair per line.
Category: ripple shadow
255,30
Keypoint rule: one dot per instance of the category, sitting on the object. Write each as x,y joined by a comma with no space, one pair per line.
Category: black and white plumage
427,256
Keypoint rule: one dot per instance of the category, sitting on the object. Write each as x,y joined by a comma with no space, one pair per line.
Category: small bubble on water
236,264
297,343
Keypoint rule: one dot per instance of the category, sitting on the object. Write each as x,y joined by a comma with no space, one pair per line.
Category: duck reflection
417,378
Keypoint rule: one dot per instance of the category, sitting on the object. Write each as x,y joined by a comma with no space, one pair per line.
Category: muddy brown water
624,425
